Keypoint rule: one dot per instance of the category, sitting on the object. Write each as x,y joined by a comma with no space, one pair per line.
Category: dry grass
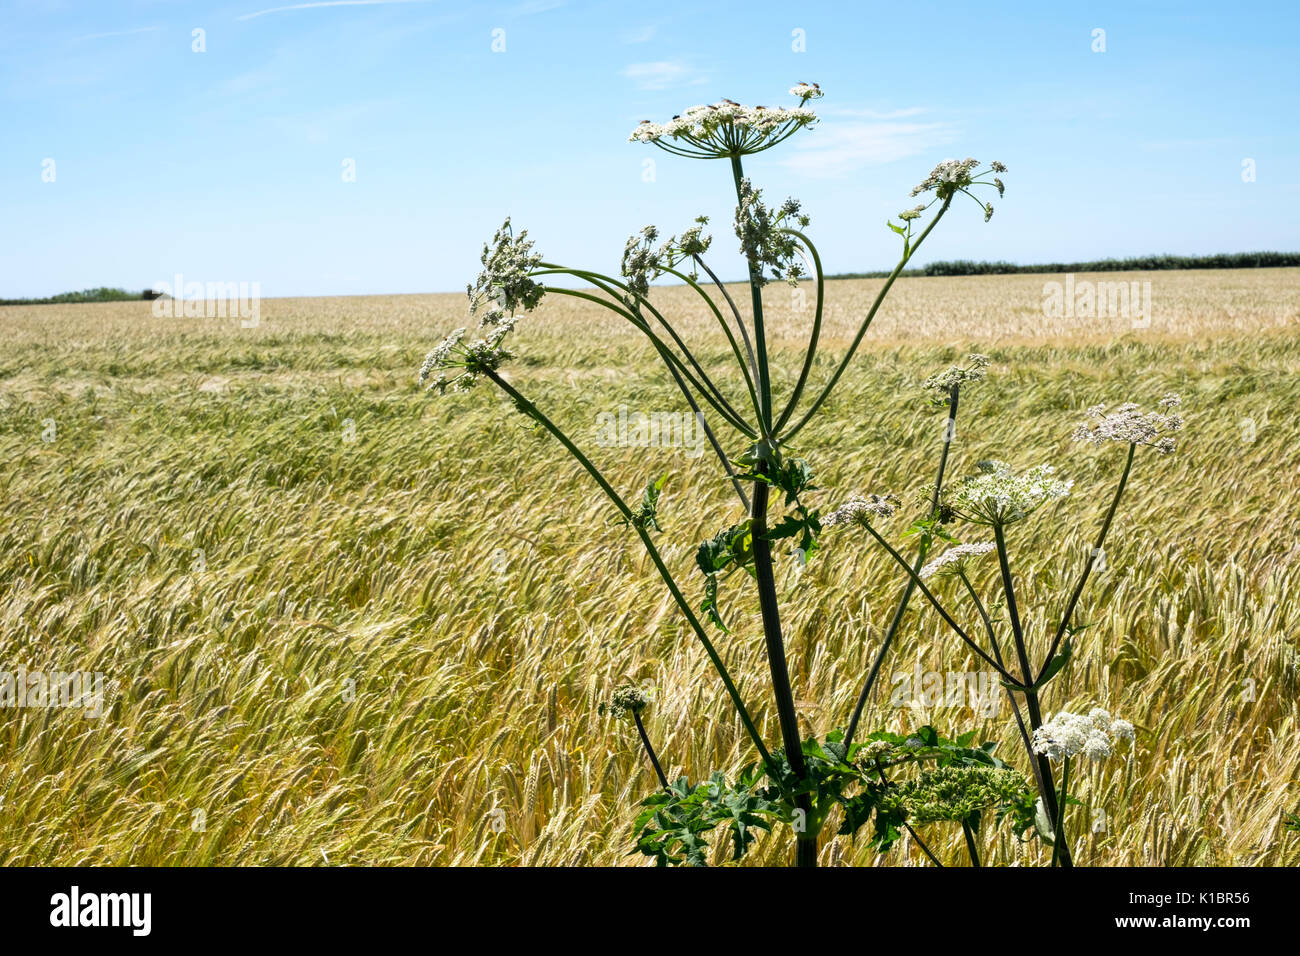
390,650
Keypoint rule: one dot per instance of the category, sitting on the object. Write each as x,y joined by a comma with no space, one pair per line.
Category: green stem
947,618
531,410
726,328
810,355
1058,838
806,845
1092,558
923,549
969,833
866,323
650,751
760,337
1045,785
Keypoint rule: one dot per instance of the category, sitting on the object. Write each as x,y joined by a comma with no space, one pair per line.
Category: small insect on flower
997,496
953,561
860,510
1093,735
628,700
954,376
806,91
1130,425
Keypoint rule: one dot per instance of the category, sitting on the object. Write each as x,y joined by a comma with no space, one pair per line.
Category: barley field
345,622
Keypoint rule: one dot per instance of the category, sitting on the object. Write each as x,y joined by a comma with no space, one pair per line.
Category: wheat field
344,622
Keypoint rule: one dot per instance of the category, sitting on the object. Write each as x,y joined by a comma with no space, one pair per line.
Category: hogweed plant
895,783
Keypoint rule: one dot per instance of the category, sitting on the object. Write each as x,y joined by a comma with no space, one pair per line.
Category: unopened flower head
953,561
628,700
1094,735
907,215
997,496
860,510
954,793
765,235
506,280
954,376
643,263
726,128
1130,425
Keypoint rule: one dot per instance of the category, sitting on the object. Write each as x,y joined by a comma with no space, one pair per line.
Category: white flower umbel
727,128
997,496
1130,425
860,510
960,175
1094,735
506,280
479,356
806,92
954,559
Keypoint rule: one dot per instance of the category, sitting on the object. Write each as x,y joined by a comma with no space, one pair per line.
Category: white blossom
1094,735
954,559
727,128
1130,425
861,510
998,496
806,91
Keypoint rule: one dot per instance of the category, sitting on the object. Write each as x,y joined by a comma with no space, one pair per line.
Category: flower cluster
954,376
955,793
1130,425
765,236
953,561
860,510
628,700
506,280
1094,735
643,263
482,355
997,496
728,129
806,92
959,175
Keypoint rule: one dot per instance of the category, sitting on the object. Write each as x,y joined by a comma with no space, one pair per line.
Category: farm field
346,622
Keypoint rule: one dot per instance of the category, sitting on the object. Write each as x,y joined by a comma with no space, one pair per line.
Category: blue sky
227,165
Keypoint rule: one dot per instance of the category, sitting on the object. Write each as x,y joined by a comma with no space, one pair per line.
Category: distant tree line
102,294
969,267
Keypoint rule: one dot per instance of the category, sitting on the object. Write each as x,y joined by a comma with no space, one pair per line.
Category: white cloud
663,75
836,149
326,3
118,33
531,7
639,34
